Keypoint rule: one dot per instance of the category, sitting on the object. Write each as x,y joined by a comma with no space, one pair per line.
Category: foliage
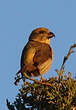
56,93
59,95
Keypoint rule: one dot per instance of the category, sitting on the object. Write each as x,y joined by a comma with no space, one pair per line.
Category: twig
17,79
67,56
61,71
36,81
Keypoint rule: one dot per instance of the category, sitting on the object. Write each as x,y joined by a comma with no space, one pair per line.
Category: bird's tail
18,72
17,78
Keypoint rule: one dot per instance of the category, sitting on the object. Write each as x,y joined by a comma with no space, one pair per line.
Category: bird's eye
41,32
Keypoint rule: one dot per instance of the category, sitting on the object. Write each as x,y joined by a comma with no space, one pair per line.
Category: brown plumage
37,55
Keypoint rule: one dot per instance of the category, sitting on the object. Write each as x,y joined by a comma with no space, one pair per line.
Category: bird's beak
50,35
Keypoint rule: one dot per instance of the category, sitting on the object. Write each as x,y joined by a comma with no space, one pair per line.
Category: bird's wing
27,54
43,54
43,58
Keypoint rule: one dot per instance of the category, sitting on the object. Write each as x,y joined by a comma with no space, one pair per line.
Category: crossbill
37,54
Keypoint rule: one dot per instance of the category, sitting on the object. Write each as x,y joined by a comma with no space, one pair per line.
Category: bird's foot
42,78
32,74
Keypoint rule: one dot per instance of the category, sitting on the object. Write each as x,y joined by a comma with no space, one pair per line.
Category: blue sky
17,19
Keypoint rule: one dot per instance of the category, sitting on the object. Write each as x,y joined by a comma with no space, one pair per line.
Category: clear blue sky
17,19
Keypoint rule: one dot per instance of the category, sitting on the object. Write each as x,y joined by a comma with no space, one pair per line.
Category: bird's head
42,35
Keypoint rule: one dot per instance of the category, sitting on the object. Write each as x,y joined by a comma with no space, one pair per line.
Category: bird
37,54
